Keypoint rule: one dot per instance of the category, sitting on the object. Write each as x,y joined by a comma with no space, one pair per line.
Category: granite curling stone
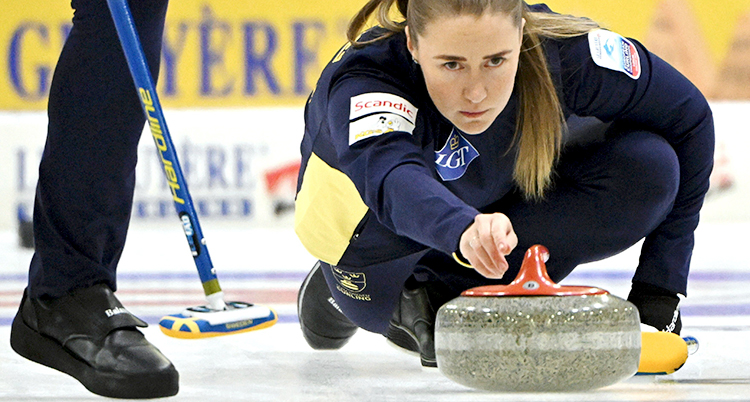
536,336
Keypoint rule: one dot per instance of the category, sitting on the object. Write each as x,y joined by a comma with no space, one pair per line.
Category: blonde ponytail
540,122
383,17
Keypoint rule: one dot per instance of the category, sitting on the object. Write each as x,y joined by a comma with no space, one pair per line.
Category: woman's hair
540,121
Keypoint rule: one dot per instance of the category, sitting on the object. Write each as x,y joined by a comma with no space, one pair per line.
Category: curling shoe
91,337
412,326
657,307
323,324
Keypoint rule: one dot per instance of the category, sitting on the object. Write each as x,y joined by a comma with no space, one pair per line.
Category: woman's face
469,66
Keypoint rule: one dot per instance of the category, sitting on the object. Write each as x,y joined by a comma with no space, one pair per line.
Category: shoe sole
44,350
403,338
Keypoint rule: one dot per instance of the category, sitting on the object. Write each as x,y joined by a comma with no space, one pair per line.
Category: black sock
658,307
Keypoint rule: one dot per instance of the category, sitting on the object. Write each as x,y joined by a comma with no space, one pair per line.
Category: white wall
227,153
732,161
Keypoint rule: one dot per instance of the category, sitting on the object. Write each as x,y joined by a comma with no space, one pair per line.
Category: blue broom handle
144,84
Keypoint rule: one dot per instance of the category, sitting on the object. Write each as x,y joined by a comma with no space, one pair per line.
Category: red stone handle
533,280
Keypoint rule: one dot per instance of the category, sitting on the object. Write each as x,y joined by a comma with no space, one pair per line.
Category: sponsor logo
612,51
335,305
340,54
374,114
375,125
192,236
161,143
351,284
595,46
454,158
353,281
111,312
631,60
380,102
238,324
673,324
355,296
609,46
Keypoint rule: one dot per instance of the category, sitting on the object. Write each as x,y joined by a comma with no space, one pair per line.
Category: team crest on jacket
454,158
612,51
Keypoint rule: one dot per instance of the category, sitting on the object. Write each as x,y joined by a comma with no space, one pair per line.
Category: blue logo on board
454,158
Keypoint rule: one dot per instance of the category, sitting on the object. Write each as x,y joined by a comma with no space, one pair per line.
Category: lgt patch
612,51
454,158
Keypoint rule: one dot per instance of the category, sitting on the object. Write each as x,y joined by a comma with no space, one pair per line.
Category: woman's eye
495,61
452,65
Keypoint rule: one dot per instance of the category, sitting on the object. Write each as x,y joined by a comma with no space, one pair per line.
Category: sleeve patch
612,51
374,114
377,124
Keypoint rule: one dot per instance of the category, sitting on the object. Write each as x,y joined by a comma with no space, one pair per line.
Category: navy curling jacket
384,174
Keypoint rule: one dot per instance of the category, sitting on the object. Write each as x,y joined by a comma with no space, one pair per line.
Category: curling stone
534,335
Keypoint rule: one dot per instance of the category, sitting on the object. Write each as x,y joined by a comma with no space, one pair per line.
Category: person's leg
383,298
69,318
606,197
323,323
368,295
87,172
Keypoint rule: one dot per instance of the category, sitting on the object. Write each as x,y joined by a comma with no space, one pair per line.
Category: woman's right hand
486,242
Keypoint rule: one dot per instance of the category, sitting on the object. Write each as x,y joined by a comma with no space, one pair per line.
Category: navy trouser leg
606,198
87,173
368,295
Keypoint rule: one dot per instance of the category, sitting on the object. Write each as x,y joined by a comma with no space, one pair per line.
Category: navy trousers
87,173
607,195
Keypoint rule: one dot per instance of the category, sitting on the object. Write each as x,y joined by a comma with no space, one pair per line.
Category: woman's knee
619,191
648,169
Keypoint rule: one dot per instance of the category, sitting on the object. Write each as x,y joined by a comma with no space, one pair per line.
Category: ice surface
266,266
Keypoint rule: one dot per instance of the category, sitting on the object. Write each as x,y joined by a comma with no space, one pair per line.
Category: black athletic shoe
90,336
323,324
412,326
657,307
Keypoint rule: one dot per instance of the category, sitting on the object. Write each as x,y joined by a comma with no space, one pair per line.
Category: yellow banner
234,53
223,53
707,40
31,37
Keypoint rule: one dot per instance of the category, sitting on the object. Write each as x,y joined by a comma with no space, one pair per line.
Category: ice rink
235,78
266,266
